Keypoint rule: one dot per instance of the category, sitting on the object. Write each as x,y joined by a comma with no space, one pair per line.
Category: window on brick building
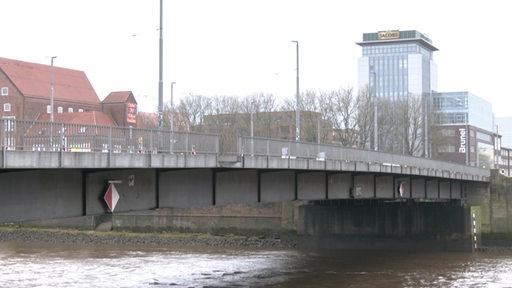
60,109
7,107
5,91
70,109
9,123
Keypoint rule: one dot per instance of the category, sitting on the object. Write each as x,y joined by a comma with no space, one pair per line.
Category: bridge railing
323,152
67,137
47,136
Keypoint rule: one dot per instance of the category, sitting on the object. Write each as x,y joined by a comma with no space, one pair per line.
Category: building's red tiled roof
86,118
33,80
118,97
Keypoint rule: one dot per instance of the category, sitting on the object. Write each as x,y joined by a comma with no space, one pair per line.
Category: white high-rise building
397,63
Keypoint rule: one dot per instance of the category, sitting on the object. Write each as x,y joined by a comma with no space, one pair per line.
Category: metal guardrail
48,136
66,137
322,152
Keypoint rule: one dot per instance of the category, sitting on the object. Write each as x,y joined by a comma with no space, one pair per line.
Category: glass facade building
463,108
504,127
455,126
464,125
397,63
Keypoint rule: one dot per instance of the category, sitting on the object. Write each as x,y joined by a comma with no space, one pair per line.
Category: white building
397,63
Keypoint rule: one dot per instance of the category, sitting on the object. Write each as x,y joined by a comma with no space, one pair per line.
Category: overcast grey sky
242,47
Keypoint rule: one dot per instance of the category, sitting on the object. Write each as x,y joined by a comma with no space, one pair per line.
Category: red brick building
25,94
122,107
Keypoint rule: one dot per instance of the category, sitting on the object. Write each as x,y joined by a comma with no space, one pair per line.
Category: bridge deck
97,160
42,145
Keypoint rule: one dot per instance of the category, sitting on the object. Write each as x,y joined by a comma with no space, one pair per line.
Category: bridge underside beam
51,193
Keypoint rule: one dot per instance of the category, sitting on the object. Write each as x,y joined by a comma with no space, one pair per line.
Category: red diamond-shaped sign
111,197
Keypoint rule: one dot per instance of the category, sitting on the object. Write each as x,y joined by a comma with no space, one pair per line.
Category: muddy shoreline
139,238
72,236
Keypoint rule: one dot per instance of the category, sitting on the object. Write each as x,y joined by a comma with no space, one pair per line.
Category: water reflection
58,265
44,265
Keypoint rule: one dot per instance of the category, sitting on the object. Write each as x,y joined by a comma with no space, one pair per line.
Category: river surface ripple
68,265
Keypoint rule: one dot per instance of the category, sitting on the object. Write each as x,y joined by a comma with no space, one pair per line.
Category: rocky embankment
9,234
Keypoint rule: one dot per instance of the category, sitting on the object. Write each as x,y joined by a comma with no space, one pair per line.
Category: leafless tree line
334,117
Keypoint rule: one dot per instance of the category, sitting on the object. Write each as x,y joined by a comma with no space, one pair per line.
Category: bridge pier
378,224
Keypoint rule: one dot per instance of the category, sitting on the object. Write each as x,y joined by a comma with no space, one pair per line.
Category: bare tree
230,116
365,117
310,116
340,108
402,125
194,108
390,127
336,115
264,117
226,110
415,126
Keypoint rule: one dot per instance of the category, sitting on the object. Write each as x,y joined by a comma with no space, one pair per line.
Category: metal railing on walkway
21,135
322,152
47,136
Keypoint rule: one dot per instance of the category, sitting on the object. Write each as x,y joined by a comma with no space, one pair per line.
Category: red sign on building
131,114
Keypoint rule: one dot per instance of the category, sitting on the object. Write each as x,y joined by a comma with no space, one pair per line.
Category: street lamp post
375,112
297,111
172,106
318,130
252,123
172,116
160,71
252,127
52,80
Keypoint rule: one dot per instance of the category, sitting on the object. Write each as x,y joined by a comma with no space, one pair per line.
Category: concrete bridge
190,180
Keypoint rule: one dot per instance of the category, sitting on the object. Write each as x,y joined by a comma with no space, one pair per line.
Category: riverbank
490,243
54,235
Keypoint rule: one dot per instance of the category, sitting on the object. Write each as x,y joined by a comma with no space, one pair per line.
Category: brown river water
68,265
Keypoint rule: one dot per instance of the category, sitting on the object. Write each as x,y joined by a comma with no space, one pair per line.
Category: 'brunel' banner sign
463,142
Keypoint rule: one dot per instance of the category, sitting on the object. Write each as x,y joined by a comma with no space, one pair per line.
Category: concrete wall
384,186
239,186
339,185
456,190
277,186
311,185
141,195
432,188
38,194
444,190
496,203
279,216
186,188
418,188
364,186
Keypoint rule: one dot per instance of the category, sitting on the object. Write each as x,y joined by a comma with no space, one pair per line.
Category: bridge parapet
333,157
49,160
34,145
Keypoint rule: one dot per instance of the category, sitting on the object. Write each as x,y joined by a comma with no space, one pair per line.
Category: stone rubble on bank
128,238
